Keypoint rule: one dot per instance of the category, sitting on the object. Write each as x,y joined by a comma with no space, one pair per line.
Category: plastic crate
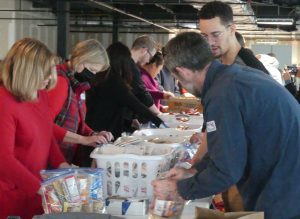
129,175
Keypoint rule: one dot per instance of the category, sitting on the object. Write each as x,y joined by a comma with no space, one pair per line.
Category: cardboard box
203,213
184,104
75,215
123,206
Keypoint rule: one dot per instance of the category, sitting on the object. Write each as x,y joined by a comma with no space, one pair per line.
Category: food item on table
182,127
182,118
160,141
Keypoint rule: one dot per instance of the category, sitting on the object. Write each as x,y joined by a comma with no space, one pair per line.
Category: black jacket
138,87
106,102
250,60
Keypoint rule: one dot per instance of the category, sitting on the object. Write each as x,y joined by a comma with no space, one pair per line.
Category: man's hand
165,189
178,173
286,75
196,138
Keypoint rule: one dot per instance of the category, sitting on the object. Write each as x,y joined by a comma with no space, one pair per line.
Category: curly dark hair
157,59
217,9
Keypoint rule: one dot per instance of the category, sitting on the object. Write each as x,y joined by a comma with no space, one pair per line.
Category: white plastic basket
129,175
167,132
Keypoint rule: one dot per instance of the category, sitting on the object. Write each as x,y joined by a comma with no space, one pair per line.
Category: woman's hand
97,138
102,137
107,135
168,94
64,165
93,140
135,124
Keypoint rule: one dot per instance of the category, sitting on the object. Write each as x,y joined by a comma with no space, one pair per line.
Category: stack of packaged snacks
73,190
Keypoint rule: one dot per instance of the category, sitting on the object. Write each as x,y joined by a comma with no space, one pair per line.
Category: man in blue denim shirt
253,132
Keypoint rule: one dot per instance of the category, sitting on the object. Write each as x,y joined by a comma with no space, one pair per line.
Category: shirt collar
213,70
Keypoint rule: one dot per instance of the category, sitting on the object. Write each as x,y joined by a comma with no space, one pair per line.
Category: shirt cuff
183,189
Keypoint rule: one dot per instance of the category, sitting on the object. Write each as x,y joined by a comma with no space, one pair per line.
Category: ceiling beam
101,4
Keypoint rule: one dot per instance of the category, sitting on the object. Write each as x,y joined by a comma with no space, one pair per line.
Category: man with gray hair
142,50
250,144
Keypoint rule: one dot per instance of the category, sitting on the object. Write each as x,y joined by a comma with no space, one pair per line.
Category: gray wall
283,52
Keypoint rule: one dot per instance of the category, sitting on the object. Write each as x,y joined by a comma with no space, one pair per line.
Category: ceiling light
267,41
275,21
189,25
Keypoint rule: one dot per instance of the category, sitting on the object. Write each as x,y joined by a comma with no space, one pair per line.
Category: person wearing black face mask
84,76
67,105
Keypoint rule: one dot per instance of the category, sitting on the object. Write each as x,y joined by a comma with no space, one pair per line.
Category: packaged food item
73,190
184,105
51,202
182,117
91,190
169,208
70,188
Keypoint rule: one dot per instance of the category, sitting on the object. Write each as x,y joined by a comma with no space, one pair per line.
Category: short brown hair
27,64
189,50
144,41
90,51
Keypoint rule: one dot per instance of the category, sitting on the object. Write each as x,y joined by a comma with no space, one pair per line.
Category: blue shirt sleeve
226,158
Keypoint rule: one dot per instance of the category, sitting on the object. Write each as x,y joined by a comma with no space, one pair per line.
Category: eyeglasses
215,36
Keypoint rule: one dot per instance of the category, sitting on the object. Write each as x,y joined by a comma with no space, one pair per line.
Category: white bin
129,175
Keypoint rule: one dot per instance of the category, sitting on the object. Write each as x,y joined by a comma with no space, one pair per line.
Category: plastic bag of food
60,194
47,174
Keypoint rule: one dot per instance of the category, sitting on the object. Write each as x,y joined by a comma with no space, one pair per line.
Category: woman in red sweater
67,98
27,142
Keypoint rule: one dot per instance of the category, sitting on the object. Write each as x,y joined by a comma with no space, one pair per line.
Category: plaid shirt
72,114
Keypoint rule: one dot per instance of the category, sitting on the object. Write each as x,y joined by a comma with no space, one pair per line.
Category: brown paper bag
203,213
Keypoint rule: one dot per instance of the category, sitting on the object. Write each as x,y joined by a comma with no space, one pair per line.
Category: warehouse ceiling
165,16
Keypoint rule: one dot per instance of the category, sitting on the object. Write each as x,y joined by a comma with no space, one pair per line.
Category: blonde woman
27,142
67,98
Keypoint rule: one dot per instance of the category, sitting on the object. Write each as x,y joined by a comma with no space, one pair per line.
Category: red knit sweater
27,146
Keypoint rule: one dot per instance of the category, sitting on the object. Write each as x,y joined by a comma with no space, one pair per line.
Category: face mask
85,75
